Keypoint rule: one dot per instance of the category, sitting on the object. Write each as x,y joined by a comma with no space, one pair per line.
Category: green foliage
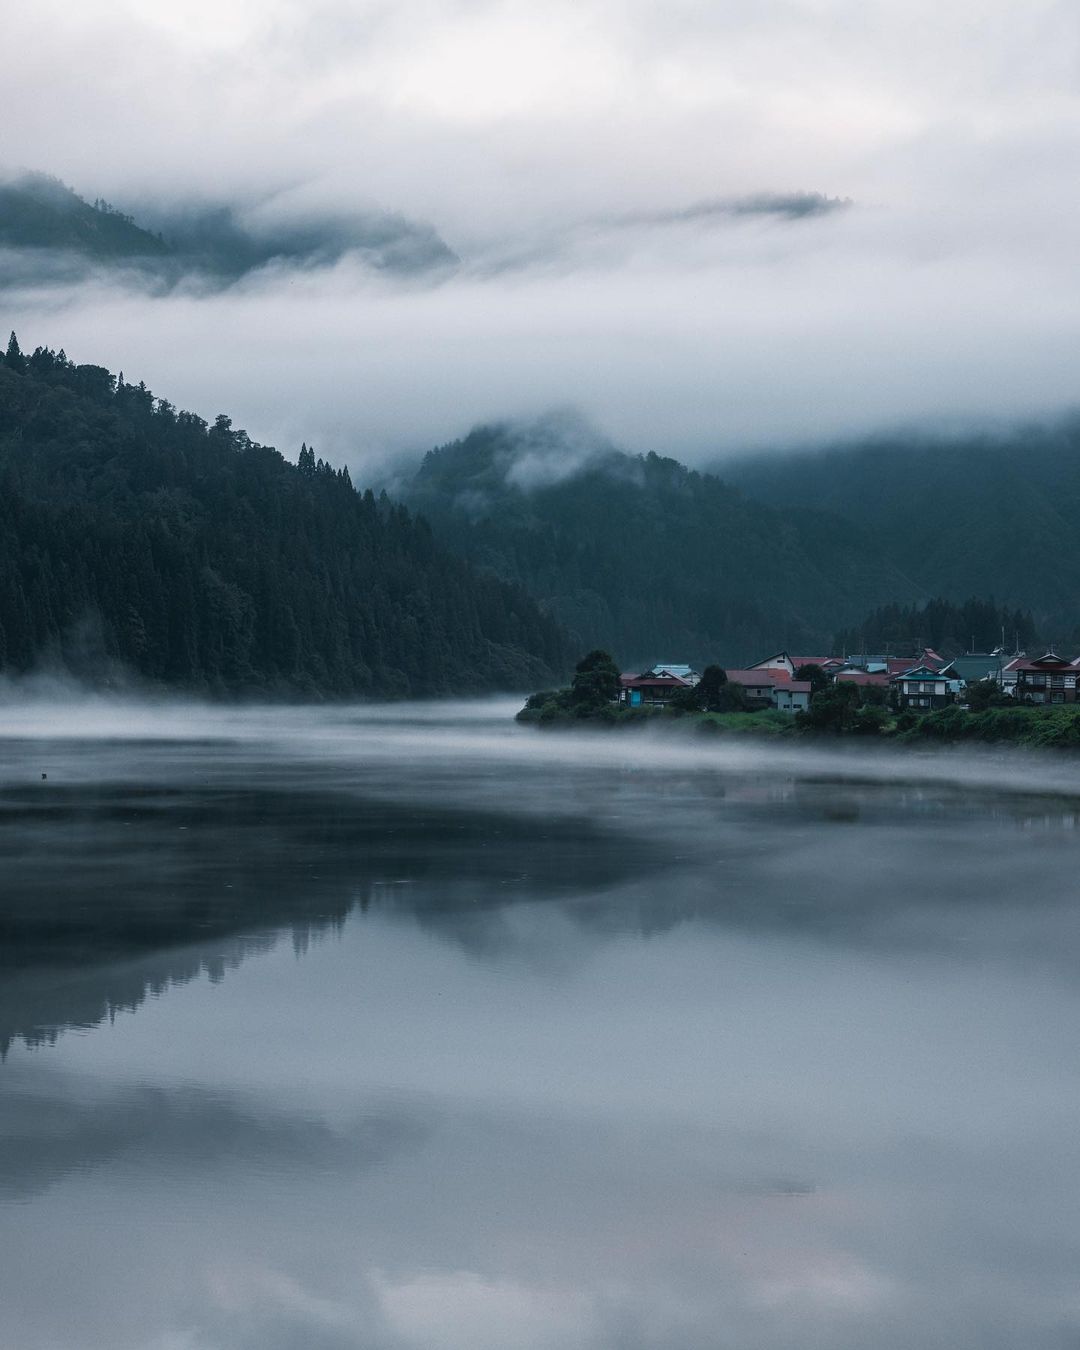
134,535
814,676
833,709
596,681
870,720
982,694
712,693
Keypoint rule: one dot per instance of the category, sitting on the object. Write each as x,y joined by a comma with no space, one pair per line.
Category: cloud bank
643,202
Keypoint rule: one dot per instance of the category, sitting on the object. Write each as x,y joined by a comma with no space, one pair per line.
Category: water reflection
442,1042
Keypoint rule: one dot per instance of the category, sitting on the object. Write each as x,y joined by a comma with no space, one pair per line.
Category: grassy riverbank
1033,727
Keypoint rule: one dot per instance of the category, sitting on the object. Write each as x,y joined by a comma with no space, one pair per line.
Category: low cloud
619,192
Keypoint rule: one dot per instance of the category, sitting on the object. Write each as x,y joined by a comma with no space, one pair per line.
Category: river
406,1028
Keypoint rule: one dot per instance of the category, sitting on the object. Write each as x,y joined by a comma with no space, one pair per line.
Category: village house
1046,679
922,688
792,664
792,696
656,686
759,683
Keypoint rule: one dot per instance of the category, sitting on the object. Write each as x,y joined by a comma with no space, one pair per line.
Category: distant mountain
39,212
138,540
640,554
49,232
976,515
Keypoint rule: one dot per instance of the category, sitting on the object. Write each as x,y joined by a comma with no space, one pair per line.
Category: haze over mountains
646,556
632,551
48,233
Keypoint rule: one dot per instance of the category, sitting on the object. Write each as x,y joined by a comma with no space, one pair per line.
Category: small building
758,683
792,696
636,690
1046,679
922,688
792,664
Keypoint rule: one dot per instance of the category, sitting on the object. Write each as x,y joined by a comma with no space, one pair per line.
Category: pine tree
13,358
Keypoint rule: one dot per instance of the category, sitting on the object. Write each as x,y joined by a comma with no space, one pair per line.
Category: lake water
410,1029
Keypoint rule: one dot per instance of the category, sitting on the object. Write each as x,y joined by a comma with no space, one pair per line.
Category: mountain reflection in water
405,1028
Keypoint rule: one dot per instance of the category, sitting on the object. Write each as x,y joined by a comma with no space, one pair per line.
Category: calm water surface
405,1028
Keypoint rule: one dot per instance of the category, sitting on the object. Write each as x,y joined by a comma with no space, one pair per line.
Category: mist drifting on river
407,1027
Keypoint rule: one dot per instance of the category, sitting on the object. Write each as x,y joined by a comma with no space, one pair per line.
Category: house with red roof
1046,679
758,684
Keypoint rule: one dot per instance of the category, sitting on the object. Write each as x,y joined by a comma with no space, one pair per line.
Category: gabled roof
663,668
776,656
1048,661
793,686
920,673
863,677
653,682
973,666
896,665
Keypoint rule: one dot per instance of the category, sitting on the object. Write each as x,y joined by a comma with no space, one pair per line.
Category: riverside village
993,696
919,683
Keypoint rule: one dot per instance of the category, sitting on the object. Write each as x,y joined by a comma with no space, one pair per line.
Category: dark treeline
975,625
134,534
961,515
40,212
645,556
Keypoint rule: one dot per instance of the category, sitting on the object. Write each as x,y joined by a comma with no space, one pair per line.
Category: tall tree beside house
596,681
814,676
712,693
136,536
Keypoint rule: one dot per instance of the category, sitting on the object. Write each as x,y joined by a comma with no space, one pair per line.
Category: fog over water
407,1027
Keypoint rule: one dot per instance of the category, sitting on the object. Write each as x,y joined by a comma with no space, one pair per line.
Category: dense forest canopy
133,535
645,556
973,626
966,515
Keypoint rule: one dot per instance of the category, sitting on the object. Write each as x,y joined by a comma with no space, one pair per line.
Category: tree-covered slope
38,212
966,516
639,554
135,535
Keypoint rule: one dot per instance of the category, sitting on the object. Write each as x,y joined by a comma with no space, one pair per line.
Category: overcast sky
561,149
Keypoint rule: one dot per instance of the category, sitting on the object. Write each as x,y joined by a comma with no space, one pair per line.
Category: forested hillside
136,536
39,212
639,554
965,516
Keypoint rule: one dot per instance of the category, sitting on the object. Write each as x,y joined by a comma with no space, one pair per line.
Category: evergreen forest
138,540
641,555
